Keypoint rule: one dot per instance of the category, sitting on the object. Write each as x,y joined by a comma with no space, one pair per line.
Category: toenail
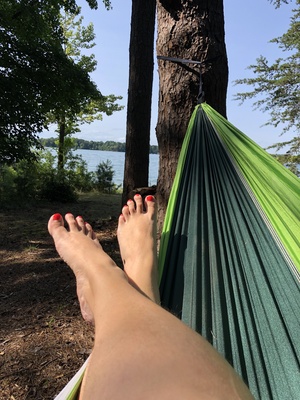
56,217
150,198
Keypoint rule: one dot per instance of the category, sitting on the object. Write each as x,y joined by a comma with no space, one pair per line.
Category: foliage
24,62
57,188
36,179
35,74
277,3
104,177
76,39
77,172
290,159
277,85
64,185
7,184
109,145
39,179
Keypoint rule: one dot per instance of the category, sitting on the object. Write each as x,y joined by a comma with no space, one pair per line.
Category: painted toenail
150,198
56,217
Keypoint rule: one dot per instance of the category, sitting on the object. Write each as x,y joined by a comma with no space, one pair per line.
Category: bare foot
137,240
81,250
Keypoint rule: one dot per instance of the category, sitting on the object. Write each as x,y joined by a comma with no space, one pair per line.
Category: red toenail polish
79,216
150,198
56,217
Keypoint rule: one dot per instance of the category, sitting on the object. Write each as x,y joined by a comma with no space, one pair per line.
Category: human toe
72,222
55,221
138,203
89,231
131,206
150,204
125,213
122,220
81,224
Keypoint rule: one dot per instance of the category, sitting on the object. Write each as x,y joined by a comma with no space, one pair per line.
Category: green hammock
230,253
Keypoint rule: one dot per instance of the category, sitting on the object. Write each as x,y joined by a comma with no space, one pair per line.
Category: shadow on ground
43,339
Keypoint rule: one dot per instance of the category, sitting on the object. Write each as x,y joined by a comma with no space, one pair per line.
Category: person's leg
137,240
141,351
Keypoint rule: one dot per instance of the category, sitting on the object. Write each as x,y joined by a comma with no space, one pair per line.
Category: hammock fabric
230,253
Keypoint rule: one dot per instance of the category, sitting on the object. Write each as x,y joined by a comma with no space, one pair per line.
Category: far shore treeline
91,145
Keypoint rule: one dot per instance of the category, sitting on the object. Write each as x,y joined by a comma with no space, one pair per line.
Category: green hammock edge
282,212
169,216
74,394
275,187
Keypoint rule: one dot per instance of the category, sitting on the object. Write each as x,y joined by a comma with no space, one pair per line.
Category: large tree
276,89
35,74
139,95
91,104
192,30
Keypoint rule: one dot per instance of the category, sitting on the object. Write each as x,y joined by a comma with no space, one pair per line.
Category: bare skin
140,262
141,351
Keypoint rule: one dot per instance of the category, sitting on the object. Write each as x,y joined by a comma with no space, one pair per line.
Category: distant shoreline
81,144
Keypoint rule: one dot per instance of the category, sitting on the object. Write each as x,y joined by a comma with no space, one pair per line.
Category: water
94,157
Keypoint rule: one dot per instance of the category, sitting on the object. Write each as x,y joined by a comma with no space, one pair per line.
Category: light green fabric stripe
170,214
275,187
74,394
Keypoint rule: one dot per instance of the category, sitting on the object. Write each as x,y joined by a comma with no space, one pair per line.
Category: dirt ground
43,338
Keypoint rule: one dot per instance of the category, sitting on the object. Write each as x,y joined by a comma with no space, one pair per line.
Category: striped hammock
230,253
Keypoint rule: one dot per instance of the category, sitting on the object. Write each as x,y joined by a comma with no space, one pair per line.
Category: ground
43,338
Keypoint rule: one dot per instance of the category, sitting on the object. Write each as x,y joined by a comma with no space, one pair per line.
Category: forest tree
139,95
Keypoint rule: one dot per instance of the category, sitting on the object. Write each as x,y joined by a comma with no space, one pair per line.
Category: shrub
78,175
57,188
7,184
104,177
27,179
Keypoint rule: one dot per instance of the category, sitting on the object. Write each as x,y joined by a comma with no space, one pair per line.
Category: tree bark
136,170
61,144
191,30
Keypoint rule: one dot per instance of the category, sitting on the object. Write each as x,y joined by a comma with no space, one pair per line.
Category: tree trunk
61,143
191,30
141,50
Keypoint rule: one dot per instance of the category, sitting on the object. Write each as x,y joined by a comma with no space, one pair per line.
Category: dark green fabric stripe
171,213
224,273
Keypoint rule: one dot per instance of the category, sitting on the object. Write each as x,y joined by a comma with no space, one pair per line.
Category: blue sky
249,26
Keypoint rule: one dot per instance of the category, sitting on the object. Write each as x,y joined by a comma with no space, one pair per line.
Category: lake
94,157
